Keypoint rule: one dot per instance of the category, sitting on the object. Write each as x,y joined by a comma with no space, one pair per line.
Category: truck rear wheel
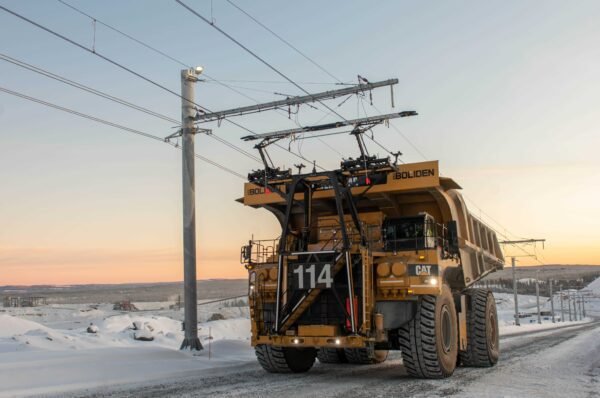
483,347
276,359
365,356
331,355
429,342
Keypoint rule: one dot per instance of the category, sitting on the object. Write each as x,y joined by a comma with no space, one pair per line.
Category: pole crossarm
516,242
354,122
291,101
179,133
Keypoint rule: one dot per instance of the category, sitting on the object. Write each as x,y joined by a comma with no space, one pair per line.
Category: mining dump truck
372,257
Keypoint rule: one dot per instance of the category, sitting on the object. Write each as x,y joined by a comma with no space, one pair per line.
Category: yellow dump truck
371,258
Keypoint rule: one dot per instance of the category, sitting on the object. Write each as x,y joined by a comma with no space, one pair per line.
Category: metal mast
188,112
514,273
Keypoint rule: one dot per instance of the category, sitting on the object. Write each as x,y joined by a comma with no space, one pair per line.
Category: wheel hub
492,330
446,323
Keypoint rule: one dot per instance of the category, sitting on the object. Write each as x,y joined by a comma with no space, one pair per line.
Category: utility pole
537,295
562,306
551,300
188,78
583,304
514,273
569,304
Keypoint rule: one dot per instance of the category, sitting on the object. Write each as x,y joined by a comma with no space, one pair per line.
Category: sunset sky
508,95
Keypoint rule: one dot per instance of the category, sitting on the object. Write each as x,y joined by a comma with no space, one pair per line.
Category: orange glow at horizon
53,267
100,266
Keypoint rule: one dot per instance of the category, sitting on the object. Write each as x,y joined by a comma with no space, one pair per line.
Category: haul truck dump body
370,259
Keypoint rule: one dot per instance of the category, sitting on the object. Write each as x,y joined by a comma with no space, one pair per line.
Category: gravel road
545,364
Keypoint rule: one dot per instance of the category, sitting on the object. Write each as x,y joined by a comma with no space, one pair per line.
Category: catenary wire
285,77
116,125
178,61
92,51
121,101
256,56
284,41
80,86
212,24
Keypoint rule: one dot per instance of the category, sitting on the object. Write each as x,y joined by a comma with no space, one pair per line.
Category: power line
284,41
235,147
124,34
283,75
116,125
254,55
323,69
178,61
268,65
80,86
271,66
140,42
92,51
258,90
99,93
339,81
284,82
311,60
130,71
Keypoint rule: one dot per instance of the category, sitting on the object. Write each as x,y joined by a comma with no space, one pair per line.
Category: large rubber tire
429,342
331,355
365,356
483,344
276,359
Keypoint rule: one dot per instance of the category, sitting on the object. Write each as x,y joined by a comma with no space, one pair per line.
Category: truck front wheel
429,342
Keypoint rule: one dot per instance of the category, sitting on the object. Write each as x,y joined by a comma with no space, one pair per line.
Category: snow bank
594,286
228,329
11,326
507,330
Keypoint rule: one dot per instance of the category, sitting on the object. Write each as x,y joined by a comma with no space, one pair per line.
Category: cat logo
423,269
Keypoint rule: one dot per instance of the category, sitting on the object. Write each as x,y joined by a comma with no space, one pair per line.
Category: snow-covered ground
47,350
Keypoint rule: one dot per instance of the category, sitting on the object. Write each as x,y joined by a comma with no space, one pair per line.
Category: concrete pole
551,300
190,325
514,275
579,300
562,306
569,304
537,295
583,304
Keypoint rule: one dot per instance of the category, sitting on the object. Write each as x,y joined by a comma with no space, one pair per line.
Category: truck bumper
313,341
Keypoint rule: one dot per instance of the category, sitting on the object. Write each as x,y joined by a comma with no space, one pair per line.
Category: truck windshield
409,233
